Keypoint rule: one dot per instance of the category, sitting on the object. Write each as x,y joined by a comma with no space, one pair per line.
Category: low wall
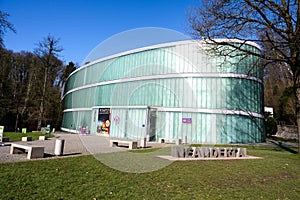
287,132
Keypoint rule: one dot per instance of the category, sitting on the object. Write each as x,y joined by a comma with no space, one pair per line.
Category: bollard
59,147
143,142
184,140
178,142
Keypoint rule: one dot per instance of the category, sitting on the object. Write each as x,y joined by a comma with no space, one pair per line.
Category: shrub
271,126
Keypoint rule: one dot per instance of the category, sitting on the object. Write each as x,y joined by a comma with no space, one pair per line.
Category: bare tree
273,24
5,25
277,79
47,51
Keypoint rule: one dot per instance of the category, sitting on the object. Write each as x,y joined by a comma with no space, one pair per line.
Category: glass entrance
152,116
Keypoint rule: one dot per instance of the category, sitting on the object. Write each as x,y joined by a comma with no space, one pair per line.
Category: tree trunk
40,118
17,120
28,89
41,113
297,92
26,98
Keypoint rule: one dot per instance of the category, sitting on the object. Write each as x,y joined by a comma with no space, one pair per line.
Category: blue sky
82,24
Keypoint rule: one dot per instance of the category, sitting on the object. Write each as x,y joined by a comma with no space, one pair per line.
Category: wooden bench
32,151
130,144
177,141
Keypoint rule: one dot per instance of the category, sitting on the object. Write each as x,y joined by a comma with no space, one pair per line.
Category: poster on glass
103,126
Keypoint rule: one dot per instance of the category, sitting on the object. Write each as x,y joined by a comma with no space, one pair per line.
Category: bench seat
31,150
130,144
4,139
42,137
25,139
177,141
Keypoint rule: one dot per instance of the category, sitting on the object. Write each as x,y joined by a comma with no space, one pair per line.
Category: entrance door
152,118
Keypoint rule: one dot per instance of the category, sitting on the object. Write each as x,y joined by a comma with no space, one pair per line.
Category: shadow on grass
282,146
47,155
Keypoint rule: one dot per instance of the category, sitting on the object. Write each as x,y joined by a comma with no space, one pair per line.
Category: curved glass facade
171,90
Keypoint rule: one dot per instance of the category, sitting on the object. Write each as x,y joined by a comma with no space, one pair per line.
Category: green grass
15,136
276,176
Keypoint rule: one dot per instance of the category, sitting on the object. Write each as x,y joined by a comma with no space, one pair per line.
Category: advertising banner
24,130
104,121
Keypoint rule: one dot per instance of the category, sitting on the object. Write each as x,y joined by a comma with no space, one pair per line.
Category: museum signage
207,152
187,120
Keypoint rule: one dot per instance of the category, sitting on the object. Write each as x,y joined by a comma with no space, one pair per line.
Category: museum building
169,90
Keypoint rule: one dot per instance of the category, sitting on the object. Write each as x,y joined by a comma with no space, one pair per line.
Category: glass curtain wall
222,96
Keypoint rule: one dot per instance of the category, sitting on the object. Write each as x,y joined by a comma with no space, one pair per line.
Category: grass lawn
16,136
276,176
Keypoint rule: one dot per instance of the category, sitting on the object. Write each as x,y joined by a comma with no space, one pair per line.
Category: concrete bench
25,139
130,144
42,137
177,141
4,139
32,151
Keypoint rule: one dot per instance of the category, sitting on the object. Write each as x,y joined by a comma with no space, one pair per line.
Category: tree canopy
22,81
31,83
273,24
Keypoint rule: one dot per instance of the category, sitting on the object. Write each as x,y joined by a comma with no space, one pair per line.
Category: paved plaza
75,145
78,145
